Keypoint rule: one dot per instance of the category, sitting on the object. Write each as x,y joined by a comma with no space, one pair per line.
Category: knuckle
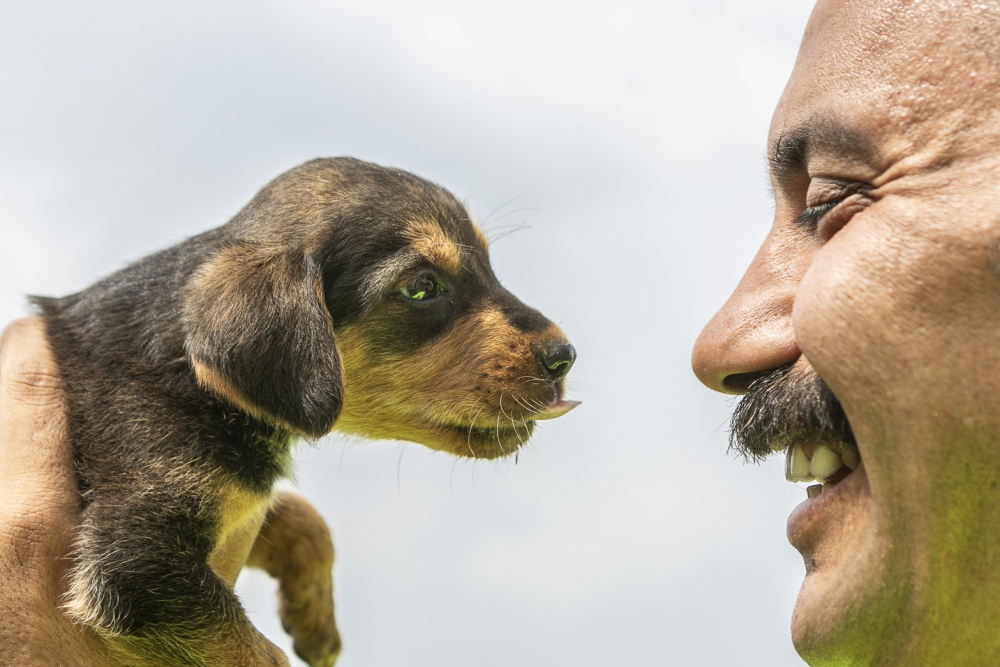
24,536
33,383
28,372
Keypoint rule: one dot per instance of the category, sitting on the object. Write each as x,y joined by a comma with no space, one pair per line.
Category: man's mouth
793,410
826,464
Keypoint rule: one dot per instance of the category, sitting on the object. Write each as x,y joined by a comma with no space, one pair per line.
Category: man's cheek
845,318
880,307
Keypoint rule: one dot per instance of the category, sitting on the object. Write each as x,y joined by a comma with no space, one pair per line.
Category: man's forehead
884,75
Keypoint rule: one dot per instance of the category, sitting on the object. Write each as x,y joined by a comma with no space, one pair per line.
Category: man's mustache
785,407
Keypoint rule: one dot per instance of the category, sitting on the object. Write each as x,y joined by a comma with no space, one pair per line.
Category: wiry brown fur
190,373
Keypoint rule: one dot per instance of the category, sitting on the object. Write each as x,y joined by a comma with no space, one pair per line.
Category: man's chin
843,612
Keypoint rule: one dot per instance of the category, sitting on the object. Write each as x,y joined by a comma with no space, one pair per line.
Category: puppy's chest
242,495
241,512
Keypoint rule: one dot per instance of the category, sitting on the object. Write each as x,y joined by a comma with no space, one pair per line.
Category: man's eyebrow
790,151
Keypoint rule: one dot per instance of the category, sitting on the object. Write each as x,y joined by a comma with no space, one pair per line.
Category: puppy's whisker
536,406
399,468
506,203
502,411
468,247
511,419
516,228
514,426
522,403
473,421
468,440
500,444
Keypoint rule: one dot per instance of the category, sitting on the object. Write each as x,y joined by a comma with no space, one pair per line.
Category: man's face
880,281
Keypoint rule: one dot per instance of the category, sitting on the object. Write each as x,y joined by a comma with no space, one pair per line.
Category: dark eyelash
809,218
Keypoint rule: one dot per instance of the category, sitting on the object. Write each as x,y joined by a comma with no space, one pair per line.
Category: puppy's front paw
311,625
294,546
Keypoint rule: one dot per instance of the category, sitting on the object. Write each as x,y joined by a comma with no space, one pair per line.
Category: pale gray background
632,134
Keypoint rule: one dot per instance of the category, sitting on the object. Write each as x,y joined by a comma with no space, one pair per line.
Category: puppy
344,296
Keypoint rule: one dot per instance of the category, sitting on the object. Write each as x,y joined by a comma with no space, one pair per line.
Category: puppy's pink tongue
557,409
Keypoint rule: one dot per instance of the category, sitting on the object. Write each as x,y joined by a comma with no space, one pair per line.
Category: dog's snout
557,359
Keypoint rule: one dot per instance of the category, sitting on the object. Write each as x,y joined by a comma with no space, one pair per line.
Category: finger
37,476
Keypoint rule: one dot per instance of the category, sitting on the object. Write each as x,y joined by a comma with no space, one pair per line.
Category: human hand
39,510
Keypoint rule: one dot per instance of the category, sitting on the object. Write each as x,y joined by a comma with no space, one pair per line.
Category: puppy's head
351,295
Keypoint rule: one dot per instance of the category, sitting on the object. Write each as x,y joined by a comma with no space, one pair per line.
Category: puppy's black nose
558,359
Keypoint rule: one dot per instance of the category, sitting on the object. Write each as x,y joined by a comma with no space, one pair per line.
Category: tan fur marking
481,236
223,272
210,379
242,512
483,374
427,238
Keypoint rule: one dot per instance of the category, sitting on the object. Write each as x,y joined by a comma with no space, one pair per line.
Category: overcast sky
623,141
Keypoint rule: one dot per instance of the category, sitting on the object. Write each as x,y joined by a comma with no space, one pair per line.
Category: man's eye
832,193
421,289
810,217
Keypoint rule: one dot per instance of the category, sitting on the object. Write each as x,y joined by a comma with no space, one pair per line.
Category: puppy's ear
259,335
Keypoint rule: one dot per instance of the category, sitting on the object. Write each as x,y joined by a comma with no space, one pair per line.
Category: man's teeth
797,465
824,462
819,467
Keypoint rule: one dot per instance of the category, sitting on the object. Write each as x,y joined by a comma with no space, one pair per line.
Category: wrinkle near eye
824,201
810,218
842,214
823,190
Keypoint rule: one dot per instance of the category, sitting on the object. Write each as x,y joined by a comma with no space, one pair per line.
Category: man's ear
259,335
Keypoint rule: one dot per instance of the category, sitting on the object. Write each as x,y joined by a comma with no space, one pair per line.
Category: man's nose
752,333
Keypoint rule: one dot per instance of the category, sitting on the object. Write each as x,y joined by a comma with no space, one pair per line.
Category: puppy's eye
422,289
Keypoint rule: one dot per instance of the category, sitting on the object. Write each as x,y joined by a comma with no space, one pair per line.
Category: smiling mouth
826,464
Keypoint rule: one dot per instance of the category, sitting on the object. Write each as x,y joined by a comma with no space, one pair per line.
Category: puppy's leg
294,546
142,580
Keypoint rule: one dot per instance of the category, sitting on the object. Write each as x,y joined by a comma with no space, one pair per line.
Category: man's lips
812,519
837,470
